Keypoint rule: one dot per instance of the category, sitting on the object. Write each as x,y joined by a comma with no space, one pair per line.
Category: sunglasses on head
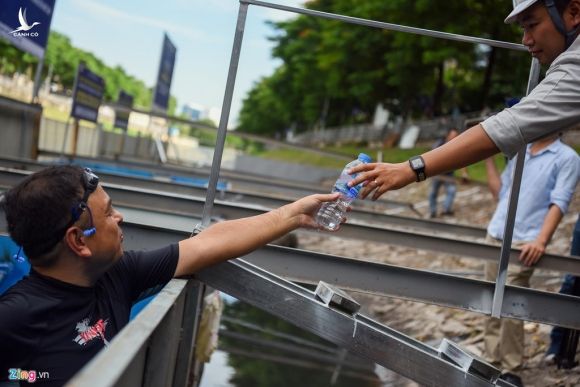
90,182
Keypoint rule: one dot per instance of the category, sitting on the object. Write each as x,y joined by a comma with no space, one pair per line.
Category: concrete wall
279,169
116,144
53,133
94,142
19,128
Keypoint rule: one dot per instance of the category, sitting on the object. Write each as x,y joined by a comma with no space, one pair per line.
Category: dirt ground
429,323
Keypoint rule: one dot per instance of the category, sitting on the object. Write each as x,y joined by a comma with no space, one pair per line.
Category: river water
257,349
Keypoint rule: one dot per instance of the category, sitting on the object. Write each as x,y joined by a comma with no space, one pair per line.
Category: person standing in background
548,184
446,180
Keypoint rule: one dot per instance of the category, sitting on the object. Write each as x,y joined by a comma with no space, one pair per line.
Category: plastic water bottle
331,213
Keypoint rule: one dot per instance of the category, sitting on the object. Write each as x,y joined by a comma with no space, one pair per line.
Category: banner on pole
87,94
164,76
26,24
122,116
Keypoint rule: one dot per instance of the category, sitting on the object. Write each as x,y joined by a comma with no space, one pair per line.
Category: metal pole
75,138
389,26
64,140
511,215
225,114
37,77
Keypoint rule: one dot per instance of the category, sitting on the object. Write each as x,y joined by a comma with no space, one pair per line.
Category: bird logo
24,26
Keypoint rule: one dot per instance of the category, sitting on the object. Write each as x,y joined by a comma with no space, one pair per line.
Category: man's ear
76,242
573,12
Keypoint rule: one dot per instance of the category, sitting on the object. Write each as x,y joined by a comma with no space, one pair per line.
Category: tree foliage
62,59
334,73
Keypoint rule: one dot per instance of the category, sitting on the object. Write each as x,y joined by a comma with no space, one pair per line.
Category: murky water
257,349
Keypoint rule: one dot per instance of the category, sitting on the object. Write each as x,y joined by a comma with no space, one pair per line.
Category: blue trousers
557,333
450,190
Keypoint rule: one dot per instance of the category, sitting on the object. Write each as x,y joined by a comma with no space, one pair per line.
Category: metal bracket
469,362
335,297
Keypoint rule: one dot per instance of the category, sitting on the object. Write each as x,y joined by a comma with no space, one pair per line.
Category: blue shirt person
548,182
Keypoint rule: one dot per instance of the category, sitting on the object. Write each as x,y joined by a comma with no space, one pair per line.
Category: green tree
62,59
333,73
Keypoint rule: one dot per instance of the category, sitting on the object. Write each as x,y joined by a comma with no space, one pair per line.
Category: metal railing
147,351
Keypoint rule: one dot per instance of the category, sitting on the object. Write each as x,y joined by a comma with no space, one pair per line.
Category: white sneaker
550,359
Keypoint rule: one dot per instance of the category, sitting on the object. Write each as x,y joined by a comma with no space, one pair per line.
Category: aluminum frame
502,272
533,80
358,334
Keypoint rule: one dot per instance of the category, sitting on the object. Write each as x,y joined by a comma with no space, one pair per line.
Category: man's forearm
471,146
493,178
551,221
233,238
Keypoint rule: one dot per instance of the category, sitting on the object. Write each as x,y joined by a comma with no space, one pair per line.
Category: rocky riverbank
430,323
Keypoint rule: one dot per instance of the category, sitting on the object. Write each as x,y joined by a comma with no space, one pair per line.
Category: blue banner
87,94
122,116
164,76
26,24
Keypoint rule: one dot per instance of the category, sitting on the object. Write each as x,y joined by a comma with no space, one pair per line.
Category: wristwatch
418,165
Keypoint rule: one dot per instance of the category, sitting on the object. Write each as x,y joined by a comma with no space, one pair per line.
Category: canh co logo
24,26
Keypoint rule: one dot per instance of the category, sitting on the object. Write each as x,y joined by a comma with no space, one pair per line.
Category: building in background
197,112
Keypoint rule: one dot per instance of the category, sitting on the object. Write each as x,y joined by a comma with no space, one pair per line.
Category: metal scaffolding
148,352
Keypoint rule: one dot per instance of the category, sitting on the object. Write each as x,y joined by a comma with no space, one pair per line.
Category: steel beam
183,206
225,114
9,177
182,209
354,230
126,360
417,285
255,183
388,280
381,279
502,272
251,188
389,26
358,334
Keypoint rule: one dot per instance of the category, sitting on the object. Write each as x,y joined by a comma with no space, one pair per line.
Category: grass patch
301,157
55,114
476,171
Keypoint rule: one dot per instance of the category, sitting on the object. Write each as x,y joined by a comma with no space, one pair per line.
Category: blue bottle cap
364,158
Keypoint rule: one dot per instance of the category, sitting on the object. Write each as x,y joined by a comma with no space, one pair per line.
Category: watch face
416,163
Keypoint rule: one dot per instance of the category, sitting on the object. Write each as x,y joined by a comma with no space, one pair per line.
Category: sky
130,34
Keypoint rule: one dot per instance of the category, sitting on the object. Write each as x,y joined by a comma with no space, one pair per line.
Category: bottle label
353,191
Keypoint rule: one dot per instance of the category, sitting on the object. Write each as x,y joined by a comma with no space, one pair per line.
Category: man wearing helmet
550,32
551,29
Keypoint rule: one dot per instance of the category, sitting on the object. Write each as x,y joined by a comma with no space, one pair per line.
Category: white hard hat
519,7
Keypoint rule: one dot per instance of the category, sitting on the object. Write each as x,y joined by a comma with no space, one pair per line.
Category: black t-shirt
55,328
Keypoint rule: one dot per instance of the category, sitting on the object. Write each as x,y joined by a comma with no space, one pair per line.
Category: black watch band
418,165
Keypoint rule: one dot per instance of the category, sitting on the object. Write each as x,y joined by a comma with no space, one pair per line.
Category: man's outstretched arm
469,147
234,238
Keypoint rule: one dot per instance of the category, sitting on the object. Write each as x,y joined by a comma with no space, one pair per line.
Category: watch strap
418,166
